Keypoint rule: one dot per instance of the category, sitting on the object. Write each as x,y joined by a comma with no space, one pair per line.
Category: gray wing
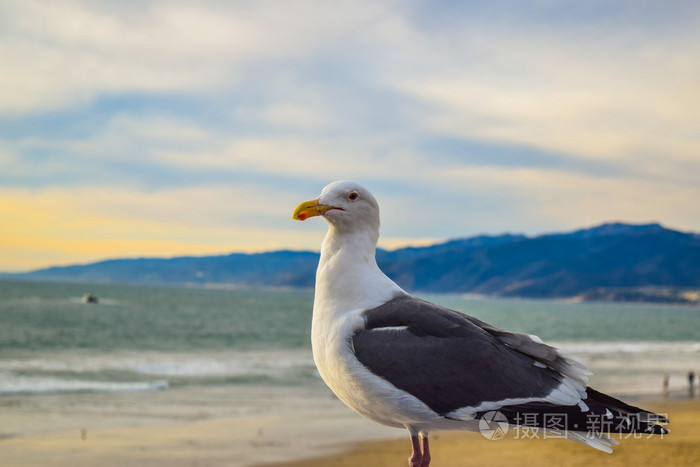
449,360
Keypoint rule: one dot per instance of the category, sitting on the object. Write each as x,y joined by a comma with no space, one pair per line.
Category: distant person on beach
691,384
667,377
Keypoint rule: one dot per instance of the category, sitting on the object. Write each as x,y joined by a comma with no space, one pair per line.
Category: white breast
348,281
363,391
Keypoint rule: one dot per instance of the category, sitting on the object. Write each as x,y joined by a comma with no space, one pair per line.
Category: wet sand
681,447
334,437
290,433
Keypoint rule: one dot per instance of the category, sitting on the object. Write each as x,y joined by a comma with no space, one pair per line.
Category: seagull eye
353,196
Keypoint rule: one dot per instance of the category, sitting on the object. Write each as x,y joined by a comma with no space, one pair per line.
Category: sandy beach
336,437
180,428
98,387
679,448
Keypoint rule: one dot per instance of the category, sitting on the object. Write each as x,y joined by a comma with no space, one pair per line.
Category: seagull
408,363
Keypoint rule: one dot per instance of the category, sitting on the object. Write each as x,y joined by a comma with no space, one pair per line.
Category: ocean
147,354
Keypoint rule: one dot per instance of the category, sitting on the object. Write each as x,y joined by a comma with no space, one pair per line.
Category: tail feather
622,407
601,441
604,415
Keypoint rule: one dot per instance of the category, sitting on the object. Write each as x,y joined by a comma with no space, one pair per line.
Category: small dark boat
90,298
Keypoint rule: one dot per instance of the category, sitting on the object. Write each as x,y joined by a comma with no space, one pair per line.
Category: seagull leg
425,449
416,459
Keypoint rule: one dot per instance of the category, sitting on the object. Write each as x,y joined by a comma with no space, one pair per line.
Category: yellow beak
309,209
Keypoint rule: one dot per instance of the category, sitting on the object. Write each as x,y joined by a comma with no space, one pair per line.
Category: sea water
146,353
140,338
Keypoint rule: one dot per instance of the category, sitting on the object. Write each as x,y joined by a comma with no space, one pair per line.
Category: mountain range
592,262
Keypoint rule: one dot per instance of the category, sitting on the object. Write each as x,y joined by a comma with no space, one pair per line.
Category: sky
169,128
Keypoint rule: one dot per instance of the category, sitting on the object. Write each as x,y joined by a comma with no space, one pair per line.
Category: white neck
348,277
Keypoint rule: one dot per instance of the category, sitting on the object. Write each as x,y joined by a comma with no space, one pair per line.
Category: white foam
629,347
144,371
13,385
165,364
627,367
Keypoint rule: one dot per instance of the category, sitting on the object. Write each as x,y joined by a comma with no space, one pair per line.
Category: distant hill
277,268
558,265
610,256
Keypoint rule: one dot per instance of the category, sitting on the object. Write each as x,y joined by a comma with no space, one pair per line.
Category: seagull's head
347,206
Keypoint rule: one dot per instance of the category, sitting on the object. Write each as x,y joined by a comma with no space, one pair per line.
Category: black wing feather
444,359
450,360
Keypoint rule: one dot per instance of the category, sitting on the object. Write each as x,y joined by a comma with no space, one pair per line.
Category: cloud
67,53
92,223
294,115
151,121
152,150
555,197
622,94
